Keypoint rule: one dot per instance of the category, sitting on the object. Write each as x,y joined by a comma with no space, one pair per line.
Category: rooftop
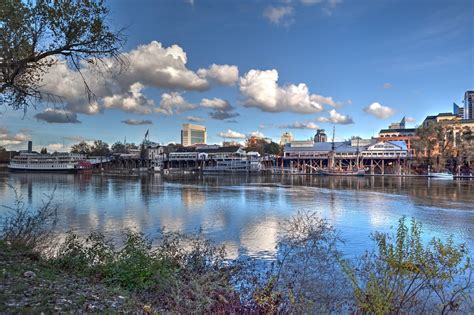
397,130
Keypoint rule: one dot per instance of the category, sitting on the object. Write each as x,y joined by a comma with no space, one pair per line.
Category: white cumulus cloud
299,125
13,140
150,65
222,109
336,118
379,111
222,74
261,90
256,134
231,134
172,103
133,101
215,103
278,15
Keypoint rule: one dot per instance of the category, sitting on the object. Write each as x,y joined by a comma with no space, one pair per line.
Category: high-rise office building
469,105
193,134
458,110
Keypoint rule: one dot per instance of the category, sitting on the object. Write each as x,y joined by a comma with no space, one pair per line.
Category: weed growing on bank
25,228
189,274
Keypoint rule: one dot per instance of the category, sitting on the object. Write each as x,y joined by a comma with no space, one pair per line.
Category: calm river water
243,212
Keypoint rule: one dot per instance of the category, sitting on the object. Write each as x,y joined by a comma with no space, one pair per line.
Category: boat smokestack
30,146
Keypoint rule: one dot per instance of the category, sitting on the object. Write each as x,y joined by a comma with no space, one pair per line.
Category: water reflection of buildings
260,238
243,211
193,198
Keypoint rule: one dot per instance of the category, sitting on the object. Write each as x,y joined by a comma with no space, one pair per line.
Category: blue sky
362,65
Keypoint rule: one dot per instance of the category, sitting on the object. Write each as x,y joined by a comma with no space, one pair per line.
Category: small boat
357,172
441,175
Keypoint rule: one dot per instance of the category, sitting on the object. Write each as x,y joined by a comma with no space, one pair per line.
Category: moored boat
357,172
441,175
234,166
59,162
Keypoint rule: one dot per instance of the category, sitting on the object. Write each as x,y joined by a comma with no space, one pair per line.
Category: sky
262,68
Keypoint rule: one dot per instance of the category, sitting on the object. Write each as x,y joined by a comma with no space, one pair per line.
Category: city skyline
268,68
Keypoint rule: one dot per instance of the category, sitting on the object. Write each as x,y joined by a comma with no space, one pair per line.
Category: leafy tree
100,148
403,276
44,151
263,147
465,149
272,148
119,147
443,146
34,35
81,148
143,150
132,146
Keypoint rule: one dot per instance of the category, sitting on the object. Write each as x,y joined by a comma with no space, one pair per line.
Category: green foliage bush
405,276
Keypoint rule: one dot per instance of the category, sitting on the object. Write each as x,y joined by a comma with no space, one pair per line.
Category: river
244,212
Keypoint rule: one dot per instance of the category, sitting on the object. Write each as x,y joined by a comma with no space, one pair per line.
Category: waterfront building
356,142
311,149
397,131
387,149
193,134
206,152
469,105
286,137
382,157
320,136
453,122
159,151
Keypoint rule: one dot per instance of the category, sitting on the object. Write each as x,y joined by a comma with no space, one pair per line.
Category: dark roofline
445,114
398,130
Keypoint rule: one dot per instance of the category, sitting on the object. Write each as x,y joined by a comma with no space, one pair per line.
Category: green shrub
91,255
137,265
405,276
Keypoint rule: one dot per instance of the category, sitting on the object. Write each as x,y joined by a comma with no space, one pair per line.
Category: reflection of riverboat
441,175
58,162
333,172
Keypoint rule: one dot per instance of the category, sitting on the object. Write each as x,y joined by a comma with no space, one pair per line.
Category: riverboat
233,165
58,162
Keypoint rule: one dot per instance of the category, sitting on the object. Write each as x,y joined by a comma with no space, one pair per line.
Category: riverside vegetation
182,273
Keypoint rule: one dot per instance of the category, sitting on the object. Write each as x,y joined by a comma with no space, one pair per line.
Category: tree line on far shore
444,147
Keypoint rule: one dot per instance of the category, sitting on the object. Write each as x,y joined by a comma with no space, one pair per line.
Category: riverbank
30,284
179,273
